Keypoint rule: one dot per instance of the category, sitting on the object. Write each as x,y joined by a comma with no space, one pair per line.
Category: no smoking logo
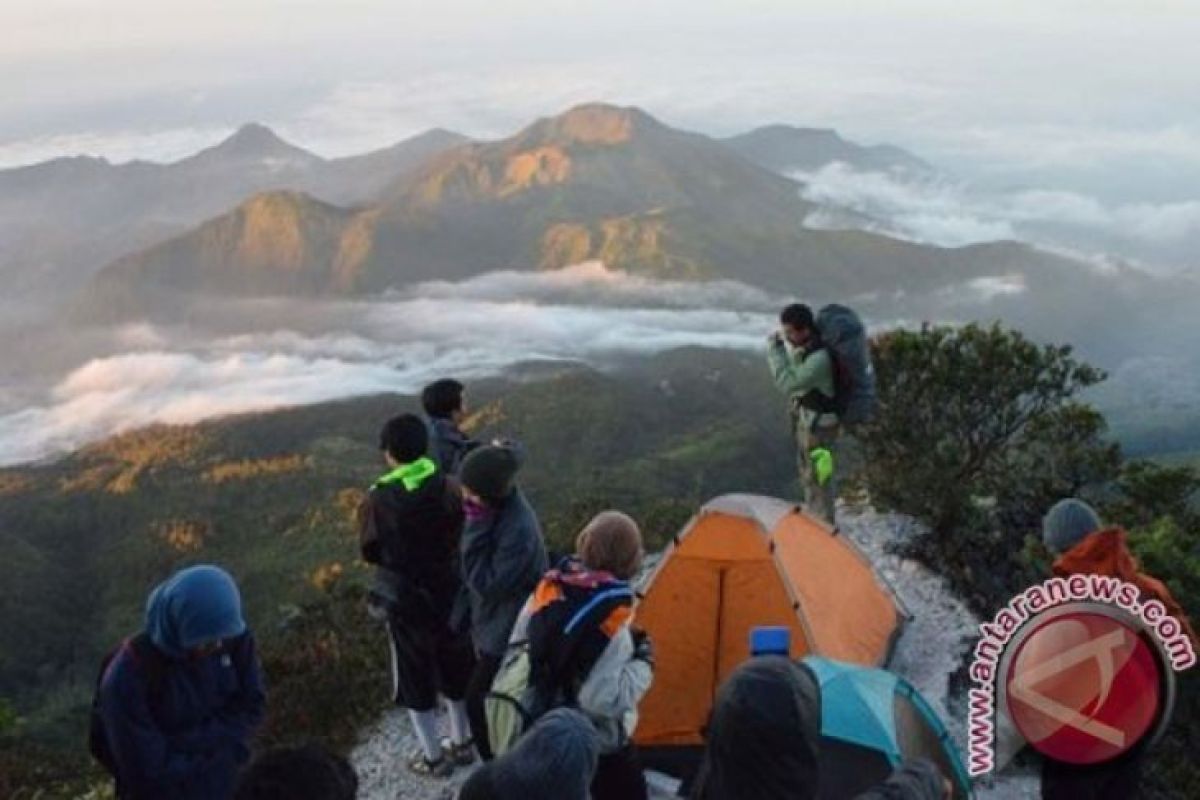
1084,685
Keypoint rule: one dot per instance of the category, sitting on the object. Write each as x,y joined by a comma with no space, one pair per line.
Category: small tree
977,415
8,719
1149,492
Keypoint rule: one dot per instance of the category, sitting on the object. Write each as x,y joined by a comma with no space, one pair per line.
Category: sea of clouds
81,385
270,353
940,210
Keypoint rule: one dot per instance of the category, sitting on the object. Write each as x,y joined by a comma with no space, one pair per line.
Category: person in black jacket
410,525
446,407
764,741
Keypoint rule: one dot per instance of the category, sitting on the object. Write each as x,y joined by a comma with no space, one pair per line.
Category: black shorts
426,661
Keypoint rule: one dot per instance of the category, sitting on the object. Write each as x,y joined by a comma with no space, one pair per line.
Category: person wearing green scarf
410,525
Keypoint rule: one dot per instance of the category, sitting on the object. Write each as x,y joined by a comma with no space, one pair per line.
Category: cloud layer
470,330
952,213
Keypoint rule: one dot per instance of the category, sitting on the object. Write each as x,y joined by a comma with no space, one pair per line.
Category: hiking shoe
442,768
462,754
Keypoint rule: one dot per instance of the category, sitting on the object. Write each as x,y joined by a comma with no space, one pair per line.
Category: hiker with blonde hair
584,650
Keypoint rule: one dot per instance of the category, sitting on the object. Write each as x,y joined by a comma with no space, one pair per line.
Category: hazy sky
1096,96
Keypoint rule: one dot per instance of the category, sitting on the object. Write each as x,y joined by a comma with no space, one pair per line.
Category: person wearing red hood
1073,532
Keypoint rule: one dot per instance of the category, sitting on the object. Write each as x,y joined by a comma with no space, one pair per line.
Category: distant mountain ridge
62,220
597,182
787,149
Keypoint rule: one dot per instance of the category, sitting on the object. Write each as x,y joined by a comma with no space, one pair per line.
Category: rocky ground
934,646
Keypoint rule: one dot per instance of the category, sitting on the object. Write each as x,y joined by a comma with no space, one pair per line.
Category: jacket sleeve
368,532
617,682
497,561
149,763
245,710
916,780
795,376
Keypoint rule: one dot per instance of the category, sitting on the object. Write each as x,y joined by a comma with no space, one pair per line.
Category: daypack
153,668
845,339
510,705
573,615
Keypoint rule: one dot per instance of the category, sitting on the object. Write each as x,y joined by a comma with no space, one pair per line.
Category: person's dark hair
442,398
798,316
764,733
405,438
309,772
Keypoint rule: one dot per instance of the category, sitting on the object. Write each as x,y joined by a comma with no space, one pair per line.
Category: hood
1101,553
555,760
194,606
764,734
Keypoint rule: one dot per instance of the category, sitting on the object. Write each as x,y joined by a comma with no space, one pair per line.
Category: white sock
425,725
460,725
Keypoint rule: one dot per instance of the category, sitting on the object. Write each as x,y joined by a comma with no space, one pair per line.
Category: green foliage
1149,492
271,497
8,719
974,413
979,433
326,670
1170,551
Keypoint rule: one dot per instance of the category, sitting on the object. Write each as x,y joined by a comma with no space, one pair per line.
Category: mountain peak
597,123
256,142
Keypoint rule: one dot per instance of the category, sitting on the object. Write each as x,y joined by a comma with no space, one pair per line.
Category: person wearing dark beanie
503,557
410,526
490,472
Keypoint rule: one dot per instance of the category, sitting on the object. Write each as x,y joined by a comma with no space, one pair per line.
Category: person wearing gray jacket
607,663
503,558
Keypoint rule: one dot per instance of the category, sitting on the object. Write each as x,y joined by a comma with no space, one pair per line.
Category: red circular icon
1083,687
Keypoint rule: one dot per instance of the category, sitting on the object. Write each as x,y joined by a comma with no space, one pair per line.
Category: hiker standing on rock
503,557
410,525
584,651
1073,532
822,364
805,376
446,407
177,704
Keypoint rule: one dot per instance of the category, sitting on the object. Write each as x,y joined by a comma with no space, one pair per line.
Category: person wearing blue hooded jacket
183,732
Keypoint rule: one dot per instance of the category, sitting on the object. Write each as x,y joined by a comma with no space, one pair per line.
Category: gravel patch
937,641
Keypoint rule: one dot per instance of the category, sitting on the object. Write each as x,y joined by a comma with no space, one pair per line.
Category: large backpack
568,629
153,667
845,339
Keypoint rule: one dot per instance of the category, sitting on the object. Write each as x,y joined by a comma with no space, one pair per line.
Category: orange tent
741,562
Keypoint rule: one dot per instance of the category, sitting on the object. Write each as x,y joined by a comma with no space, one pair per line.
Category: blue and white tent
872,721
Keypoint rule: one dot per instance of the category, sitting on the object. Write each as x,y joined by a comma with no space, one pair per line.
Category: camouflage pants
819,498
